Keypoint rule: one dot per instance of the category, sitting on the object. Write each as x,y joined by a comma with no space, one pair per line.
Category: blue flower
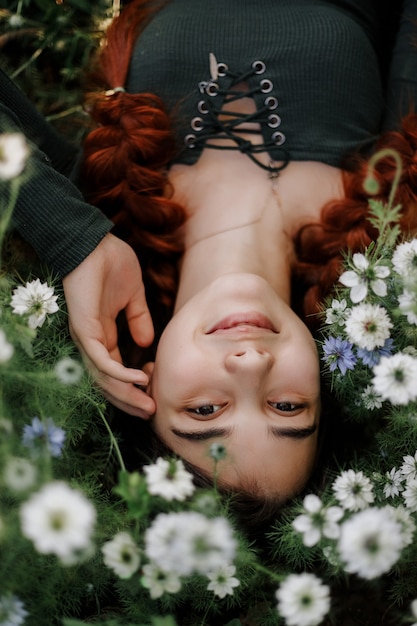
44,433
372,357
338,353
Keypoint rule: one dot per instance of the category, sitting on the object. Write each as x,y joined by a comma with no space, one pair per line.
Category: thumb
139,320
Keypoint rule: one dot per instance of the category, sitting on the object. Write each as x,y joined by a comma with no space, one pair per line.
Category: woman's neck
238,229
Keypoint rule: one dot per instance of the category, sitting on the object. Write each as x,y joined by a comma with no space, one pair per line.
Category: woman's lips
243,322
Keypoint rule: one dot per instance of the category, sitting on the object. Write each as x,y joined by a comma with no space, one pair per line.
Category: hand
108,281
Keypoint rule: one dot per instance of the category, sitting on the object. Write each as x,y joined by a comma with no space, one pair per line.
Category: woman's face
236,366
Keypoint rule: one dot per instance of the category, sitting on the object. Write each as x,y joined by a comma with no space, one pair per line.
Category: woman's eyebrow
275,431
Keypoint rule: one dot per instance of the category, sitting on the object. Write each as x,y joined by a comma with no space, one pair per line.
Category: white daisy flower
393,483
337,312
6,348
58,520
13,154
222,581
404,258
405,519
410,494
19,474
368,326
12,611
158,581
395,378
363,277
121,554
169,479
370,543
68,371
353,490
407,302
303,600
36,300
409,466
317,521
188,542
370,399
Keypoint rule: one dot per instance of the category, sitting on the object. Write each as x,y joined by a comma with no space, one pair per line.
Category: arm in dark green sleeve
402,79
50,212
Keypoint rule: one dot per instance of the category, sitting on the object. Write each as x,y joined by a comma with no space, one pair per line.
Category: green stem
7,214
276,577
113,439
381,154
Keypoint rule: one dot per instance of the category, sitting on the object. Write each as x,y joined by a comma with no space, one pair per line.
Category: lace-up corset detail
214,123
309,66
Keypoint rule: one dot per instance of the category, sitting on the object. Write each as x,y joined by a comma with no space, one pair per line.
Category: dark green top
327,62
318,78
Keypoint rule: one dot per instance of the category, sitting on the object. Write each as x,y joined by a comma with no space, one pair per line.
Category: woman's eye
205,409
285,407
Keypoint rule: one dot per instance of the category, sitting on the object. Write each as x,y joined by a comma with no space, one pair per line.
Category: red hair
127,154
344,223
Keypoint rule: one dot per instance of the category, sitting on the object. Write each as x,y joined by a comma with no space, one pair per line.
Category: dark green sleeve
50,212
402,78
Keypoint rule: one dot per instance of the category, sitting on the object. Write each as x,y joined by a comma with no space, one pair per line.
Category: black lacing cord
215,128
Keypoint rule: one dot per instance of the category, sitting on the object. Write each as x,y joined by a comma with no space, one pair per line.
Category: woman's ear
148,369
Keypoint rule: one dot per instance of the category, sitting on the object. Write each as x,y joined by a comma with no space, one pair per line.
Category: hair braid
344,223
125,157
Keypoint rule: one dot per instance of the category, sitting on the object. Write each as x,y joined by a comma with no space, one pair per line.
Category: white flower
159,582
68,371
19,474
36,299
303,600
368,326
371,400
12,611
13,154
363,277
409,466
404,258
353,490
121,554
393,483
169,479
317,521
407,302
223,581
336,314
188,542
404,518
395,378
410,494
6,348
58,520
370,542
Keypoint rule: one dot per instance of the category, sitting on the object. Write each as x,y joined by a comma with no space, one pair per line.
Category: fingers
116,381
139,320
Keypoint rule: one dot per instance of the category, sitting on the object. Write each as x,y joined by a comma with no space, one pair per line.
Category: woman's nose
250,360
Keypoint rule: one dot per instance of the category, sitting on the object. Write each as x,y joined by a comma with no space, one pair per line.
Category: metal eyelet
222,69
271,102
278,138
202,86
202,107
259,67
274,120
189,141
197,123
266,85
211,89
